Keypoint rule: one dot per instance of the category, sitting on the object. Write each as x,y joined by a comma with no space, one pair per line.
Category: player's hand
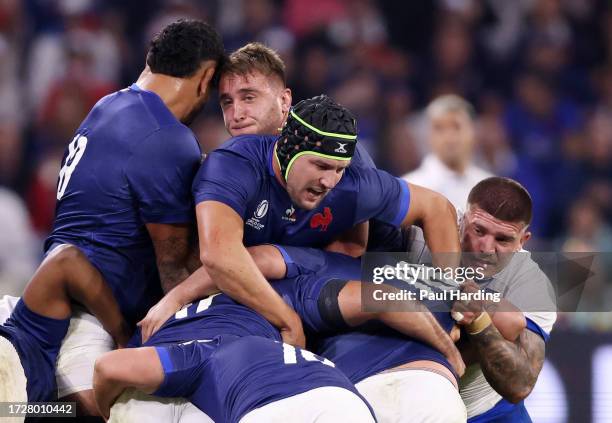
455,333
464,312
455,360
157,316
293,333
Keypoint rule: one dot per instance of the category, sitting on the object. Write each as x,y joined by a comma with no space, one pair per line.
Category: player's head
495,223
314,148
252,91
191,50
13,386
451,130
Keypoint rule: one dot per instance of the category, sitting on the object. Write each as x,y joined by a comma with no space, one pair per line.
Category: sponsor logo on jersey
322,220
290,214
259,213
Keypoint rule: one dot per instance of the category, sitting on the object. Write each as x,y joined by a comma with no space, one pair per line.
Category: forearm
198,285
420,324
504,364
269,261
441,234
236,275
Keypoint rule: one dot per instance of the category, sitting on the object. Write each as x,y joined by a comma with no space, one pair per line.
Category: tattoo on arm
511,368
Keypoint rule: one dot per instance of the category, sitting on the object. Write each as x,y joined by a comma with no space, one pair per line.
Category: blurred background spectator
449,169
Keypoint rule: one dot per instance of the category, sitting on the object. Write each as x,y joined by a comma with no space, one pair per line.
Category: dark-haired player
298,189
123,195
504,368
31,337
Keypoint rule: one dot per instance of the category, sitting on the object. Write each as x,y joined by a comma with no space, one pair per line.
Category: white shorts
413,395
7,305
136,406
85,341
12,378
329,404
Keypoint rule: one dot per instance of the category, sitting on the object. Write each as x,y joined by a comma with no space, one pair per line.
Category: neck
277,170
457,166
170,89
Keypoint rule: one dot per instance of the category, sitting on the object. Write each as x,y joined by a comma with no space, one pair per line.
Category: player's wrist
479,324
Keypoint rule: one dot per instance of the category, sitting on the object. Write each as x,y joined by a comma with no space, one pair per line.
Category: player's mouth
241,127
315,193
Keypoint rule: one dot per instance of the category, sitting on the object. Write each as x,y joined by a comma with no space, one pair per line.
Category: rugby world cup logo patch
261,209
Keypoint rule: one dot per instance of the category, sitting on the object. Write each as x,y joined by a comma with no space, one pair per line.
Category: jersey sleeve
160,173
529,289
228,178
381,196
301,260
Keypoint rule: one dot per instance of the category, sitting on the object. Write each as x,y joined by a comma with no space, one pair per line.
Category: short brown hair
255,57
503,198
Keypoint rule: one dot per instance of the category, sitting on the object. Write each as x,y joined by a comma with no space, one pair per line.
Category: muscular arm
353,242
511,368
437,216
199,285
230,265
172,252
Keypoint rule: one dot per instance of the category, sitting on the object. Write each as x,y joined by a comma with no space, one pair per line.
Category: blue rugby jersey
253,191
227,377
130,163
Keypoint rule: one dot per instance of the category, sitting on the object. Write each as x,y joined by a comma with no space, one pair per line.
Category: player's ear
525,237
286,99
206,74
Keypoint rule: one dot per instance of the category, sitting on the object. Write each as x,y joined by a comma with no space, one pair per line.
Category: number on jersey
290,356
75,151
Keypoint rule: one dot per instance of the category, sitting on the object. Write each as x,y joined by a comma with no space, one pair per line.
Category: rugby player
31,337
255,100
505,365
298,189
320,300
123,195
229,361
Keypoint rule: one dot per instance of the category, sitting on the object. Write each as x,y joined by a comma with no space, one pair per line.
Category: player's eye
478,230
249,98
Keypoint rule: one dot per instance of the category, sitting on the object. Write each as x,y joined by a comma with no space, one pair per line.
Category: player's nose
329,179
487,244
239,112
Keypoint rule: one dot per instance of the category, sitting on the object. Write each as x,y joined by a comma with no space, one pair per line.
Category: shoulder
253,151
